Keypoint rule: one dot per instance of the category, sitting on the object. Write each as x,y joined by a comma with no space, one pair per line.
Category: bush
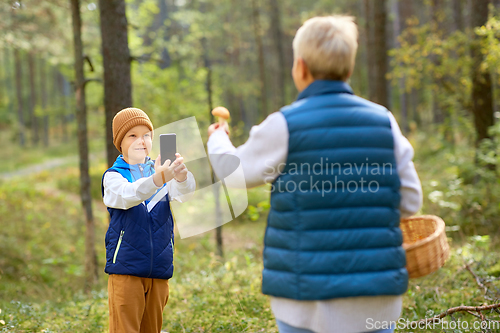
70,182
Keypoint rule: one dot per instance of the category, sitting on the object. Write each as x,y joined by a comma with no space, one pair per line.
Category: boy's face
136,144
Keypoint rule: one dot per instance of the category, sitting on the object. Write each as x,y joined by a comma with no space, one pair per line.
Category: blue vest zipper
118,246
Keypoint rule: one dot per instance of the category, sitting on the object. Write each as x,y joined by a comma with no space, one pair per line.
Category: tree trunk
54,101
81,114
62,104
33,98
370,48
208,87
8,79
43,93
438,29
161,30
262,65
438,16
19,94
277,37
458,19
4,79
482,100
402,14
164,14
414,99
116,63
380,53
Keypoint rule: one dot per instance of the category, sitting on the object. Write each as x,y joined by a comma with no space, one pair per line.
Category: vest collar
136,170
322,87
120,163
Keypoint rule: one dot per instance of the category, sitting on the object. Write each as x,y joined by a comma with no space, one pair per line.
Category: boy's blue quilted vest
333,228
146,245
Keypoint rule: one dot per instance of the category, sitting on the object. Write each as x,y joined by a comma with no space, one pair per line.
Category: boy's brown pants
136,304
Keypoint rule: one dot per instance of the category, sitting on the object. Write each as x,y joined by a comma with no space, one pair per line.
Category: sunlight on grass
41,267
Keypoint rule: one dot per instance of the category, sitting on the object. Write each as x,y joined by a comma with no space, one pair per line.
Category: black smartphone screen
168,147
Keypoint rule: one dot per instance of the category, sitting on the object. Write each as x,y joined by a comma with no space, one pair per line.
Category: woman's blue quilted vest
333,228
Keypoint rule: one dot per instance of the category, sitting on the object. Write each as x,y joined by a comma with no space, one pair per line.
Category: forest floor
41,266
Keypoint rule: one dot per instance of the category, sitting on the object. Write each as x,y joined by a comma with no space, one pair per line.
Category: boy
140,237
342,177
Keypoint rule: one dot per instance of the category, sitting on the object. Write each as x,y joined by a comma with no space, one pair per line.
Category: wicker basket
425,243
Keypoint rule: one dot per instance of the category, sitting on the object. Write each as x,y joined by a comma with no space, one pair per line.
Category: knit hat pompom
125,120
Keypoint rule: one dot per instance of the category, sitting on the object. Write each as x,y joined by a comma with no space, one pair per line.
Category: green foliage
254,212
465,193
494,270
258,203
427,59
29,25
6,117
168,97
70,181
491,45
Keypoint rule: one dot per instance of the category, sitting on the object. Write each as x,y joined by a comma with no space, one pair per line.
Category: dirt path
51,190
52,163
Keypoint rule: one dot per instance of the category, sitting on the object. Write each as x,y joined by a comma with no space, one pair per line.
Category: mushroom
222,113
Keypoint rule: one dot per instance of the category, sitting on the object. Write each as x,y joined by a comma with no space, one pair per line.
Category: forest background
68,66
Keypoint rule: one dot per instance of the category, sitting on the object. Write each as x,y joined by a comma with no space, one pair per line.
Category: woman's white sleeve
262,157
411,189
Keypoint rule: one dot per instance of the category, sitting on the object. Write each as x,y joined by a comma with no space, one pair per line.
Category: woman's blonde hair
328,46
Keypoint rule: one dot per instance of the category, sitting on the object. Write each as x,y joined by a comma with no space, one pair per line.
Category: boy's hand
216,127
167,170
180,172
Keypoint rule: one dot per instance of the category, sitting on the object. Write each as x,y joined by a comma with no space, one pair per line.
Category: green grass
41,265
41,269
453,285
15,157
42,247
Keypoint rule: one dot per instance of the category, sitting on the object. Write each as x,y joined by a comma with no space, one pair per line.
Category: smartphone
168,147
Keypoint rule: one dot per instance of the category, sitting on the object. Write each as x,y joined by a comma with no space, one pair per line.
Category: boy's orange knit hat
125,120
